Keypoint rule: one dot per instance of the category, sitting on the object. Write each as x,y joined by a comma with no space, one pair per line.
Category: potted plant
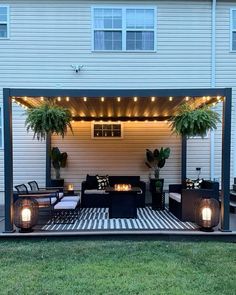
156,160
59,161
48,118
191,121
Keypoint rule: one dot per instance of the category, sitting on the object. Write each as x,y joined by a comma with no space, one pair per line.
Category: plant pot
158,197
57,182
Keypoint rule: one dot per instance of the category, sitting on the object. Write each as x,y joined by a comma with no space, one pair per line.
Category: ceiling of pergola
120,108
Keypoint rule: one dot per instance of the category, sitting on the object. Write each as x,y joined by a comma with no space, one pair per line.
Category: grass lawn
117,267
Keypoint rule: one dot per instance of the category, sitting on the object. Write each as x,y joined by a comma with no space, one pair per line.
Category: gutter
213,83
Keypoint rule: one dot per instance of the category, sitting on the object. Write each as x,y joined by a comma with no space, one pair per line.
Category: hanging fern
192,122
48,118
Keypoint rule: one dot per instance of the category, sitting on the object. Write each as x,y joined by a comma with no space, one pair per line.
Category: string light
153,98
218,98
208,98
170,98
85,98
59,98
118,99
187,98
42,98
67,98
135,98
102,99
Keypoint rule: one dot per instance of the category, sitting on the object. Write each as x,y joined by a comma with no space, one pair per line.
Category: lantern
25,214
207,214
70,189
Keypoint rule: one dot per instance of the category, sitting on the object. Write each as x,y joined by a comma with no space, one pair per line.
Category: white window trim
7,22
124,29
1,128
232,30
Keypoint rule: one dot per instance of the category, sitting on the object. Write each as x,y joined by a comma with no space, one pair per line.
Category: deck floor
124,227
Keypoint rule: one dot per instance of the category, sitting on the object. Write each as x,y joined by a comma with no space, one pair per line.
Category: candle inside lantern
70,187
26,215
206,214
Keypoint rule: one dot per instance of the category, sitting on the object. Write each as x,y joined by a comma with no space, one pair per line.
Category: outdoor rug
97,219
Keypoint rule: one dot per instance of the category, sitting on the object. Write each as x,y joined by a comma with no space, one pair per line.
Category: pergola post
183,159
48,160
8,160
225,170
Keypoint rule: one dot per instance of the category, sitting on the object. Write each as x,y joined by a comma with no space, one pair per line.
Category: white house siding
28,155
124,156
46,37
225,77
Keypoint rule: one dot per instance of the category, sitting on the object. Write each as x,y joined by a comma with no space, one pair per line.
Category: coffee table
123,204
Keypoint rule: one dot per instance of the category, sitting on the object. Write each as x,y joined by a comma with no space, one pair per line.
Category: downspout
213,82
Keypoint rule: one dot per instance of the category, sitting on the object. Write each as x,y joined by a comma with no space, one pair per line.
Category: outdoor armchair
182,201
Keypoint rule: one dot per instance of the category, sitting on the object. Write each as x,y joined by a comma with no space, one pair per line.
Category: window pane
234,41
3,14
140,41
107,18
234,19
107,40
3,31
140,18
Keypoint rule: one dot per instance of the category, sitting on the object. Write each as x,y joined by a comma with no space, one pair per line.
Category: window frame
7,22
107,137
232,30
1,127
124,29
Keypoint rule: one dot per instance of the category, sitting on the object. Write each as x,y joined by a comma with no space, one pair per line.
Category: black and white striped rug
95,219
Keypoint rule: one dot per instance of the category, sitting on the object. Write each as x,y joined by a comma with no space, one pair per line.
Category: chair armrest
201,192
83,186
142,185
175,188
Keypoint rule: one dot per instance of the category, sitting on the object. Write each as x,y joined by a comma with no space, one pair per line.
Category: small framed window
4,22
233,30
1,129
124,29
107,130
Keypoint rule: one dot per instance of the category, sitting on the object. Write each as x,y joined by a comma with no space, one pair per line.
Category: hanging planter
48,119
192,122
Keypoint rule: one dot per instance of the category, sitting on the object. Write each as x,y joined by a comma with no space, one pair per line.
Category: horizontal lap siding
118,156
46,37
28,154
225,77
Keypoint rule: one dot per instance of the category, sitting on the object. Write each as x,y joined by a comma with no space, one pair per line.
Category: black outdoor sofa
91,197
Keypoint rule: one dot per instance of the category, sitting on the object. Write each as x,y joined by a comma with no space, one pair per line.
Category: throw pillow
103,182
193,184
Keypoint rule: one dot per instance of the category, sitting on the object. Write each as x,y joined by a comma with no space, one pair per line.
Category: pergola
118,105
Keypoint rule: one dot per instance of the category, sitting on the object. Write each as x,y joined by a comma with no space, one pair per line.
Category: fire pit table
123,203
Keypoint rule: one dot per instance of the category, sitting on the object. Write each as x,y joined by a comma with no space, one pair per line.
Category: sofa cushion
103,182
65,205
91,182
71,198
175,196
95,192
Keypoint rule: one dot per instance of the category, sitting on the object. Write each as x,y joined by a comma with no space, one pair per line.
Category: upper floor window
233,29
4,22
124,29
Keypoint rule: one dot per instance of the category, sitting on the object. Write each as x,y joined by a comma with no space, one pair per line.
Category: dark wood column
225,170
48,160
8,160
184,159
